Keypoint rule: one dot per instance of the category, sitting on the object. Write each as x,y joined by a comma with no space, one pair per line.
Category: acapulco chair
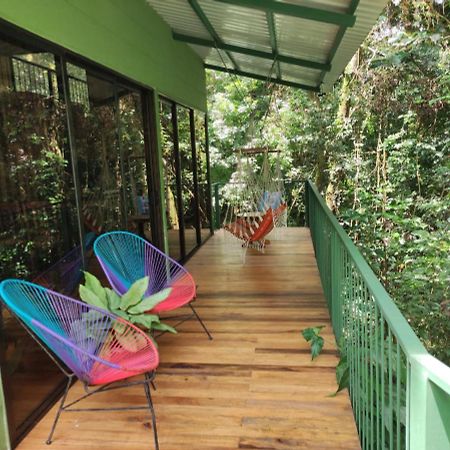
126,257
94,345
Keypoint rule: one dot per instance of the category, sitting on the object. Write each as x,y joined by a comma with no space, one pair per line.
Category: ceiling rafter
290,9
263,78
251,52
273,41
207,24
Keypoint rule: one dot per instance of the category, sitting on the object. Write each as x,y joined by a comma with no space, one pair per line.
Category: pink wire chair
97,347
126,257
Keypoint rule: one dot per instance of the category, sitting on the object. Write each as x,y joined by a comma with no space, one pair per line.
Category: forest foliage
377,147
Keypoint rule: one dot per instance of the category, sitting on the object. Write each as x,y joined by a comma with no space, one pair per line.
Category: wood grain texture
254,386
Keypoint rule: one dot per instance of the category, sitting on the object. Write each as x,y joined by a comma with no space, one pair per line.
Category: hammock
255,201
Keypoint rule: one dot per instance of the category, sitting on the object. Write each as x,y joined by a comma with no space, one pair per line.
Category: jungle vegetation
377,147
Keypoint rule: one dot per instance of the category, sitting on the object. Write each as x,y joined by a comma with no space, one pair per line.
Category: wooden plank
253,387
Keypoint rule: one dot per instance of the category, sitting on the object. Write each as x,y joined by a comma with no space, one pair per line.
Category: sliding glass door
74,163
38,220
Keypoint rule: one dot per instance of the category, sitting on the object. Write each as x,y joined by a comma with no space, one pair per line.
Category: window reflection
170,185
187,179
37,214
202,174
97,144
134,168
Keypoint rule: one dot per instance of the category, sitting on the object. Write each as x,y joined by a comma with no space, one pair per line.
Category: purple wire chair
126,257
96,346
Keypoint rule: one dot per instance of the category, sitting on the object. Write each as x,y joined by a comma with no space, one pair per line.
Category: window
202,175
38,220
188,187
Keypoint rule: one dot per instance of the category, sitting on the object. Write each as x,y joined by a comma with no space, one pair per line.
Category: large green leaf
94,285
121,313
91,298
113,299
150,302
146,320
164,327
316,346
131,341
310,333
134,294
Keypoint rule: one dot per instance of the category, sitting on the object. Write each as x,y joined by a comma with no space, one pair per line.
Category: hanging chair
256,202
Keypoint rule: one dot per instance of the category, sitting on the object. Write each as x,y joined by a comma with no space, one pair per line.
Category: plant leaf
120,313
131,341
318,329
309,333
164,327
146,320
134,294
344,381
94,285
113,299
316,346
91,298
150,302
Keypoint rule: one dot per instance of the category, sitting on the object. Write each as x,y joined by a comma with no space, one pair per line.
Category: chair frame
71,378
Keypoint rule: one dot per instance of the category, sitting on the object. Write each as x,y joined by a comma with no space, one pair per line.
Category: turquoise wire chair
96,346
126,257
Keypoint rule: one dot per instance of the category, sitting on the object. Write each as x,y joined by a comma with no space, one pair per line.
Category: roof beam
303,12
207,24
263,78
252,52
273,40
339,36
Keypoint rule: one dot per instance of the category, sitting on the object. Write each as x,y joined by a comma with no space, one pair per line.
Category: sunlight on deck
254,386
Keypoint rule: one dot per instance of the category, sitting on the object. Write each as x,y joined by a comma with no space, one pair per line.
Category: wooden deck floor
253,387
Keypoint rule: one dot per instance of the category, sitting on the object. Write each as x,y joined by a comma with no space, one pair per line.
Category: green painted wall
124,35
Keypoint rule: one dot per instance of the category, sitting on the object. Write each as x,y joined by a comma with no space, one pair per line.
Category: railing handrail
396,320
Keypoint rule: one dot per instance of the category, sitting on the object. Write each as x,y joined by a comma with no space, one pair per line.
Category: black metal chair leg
201,322
149,379
60,409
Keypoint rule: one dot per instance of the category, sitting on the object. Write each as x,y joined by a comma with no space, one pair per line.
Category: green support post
160,168
4,433
216,206
306,199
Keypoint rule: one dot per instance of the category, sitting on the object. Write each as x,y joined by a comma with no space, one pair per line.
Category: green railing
400,393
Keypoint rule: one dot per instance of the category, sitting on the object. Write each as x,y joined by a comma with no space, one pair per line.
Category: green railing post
4,433
306,200
429,405
216,206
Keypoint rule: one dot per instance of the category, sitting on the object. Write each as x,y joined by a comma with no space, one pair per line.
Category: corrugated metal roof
311,40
